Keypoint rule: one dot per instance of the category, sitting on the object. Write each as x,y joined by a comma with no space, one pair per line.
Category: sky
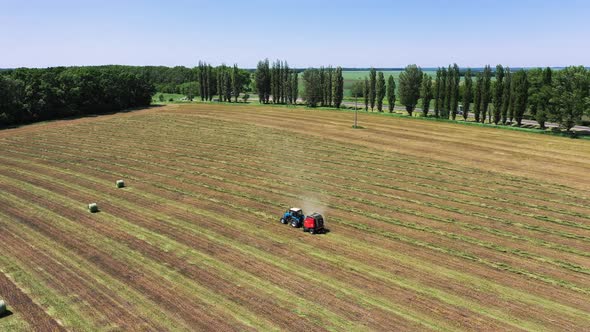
306,33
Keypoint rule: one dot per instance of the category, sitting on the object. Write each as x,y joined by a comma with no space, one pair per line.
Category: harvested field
433,226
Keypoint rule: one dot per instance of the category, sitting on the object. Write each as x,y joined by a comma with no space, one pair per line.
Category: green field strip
58,306
133,258
84,307
14,323
147,309
398,223
416,288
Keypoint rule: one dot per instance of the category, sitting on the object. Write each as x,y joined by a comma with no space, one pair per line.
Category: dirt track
433,225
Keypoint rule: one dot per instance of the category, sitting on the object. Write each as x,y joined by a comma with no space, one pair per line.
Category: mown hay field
433,226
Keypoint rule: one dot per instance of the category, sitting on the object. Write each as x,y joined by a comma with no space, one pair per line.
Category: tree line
498,96
222,81
276,82
323,87
279,84
30,95
374,89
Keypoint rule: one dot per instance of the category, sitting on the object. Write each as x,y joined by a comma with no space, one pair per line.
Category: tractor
314,224
293,216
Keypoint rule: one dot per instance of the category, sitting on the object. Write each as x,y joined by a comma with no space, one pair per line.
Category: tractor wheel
294,224
283,221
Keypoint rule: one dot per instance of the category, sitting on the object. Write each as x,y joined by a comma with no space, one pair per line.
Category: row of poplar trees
323,86
276,83
279,84
224,81
562,96
374,90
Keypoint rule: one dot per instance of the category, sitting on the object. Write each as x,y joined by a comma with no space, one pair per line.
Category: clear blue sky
361,33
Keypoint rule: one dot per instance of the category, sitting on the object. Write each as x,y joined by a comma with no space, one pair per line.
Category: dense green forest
30,95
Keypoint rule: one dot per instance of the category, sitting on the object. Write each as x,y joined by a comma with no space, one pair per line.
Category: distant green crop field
352,76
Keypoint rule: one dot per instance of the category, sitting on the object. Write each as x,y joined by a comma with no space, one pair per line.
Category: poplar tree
410,81
455,91
322,83
202,81
467,94
294,87
544,97
486,92
263,81
236,82
285,82
391,93
521,93
366,93
512,104
220,83
437,92
338,86
380,91
313,89
447,82
498,93
209,82
426,94
329,84
506,88
228,85
477,96
373,86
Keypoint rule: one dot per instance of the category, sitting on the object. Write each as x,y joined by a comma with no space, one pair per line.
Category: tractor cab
314,223
293,216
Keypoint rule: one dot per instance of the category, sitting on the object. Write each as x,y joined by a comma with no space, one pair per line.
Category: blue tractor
293,216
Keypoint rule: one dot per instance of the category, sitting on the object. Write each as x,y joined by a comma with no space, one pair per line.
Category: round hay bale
2,307
120,184
92,207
